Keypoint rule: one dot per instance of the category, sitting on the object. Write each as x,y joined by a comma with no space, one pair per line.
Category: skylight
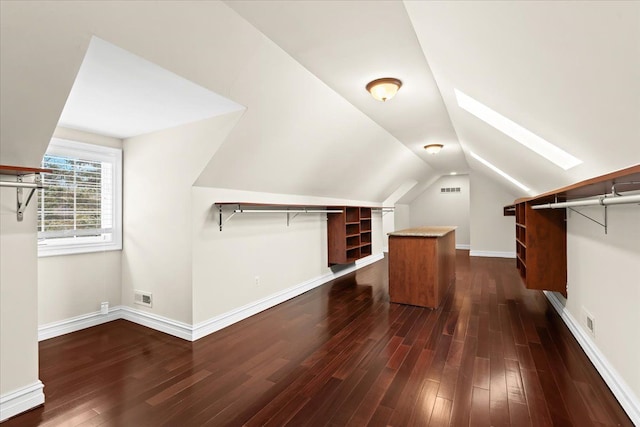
500,172
524,136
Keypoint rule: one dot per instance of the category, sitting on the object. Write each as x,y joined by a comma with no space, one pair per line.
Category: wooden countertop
427,231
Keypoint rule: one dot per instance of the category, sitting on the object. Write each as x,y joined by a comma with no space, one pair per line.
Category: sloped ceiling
347,44
567,71
297,136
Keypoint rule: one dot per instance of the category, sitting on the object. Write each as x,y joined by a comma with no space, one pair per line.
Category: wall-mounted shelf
18,173
349,234
229,209
541,240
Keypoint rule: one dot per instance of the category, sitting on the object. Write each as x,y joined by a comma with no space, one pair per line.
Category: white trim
226,319
195,332
21,400
492,254
463,246
73,324
628,400
159,323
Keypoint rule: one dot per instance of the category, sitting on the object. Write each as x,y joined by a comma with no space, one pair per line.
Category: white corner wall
159,170
491,233
96,276
604,279
226,263
435,208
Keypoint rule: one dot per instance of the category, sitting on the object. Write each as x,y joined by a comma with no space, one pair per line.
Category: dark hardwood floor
493,354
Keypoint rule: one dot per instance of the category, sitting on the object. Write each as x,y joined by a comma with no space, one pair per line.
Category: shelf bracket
613,187
606,222
221,219
290,218
20,204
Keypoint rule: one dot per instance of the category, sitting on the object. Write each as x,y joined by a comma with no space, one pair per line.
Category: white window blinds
77,199
80,206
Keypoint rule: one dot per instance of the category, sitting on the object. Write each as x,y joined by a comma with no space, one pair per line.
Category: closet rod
20,184
287,211
600,201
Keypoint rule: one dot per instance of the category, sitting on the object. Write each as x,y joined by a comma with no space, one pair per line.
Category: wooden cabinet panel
421,269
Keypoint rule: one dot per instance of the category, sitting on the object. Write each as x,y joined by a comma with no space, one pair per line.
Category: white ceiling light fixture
524,136
500,172
384,89
433,148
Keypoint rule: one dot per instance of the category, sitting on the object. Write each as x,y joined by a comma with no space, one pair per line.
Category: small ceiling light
453,173
384,89
433,148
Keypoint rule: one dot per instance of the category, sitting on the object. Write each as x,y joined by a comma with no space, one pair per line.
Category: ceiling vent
450,189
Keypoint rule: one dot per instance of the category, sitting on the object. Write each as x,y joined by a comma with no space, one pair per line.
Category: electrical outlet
589,322
257,280
104,307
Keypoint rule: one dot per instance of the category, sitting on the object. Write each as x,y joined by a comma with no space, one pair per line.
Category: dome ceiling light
433,148
384,89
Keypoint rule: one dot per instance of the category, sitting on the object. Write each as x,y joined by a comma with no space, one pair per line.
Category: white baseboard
463,246
21,400
195,332
492,254
226,319
73,324
628,400
159,323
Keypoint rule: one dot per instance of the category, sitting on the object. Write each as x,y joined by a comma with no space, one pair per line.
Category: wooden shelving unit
541,234
541,247
349,234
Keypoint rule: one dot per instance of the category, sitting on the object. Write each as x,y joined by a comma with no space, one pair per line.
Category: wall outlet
257,279
104,307
589,322
143,298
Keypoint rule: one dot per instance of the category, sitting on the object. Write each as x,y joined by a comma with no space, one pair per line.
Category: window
80,208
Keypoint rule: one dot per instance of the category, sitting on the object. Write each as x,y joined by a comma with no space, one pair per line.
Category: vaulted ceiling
566,71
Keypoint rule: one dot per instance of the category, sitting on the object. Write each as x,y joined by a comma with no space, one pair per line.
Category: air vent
450,189
143,298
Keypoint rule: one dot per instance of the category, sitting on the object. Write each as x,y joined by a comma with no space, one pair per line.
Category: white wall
18,293
402,217
96,276
159,170
225,263
491,233
604,278
435,208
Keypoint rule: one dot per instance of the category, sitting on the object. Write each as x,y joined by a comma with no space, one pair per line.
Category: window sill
53,250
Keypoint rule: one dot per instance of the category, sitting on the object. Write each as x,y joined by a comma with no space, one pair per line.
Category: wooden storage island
422,265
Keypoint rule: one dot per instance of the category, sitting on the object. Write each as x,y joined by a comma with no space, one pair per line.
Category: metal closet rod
600,201
20,184
287,211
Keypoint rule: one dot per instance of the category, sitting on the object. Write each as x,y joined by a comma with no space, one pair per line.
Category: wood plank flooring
494,353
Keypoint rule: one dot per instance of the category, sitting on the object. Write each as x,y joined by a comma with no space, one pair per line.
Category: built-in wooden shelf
349,234
541,236
21,170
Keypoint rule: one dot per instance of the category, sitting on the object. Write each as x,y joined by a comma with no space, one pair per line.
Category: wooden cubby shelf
349,234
